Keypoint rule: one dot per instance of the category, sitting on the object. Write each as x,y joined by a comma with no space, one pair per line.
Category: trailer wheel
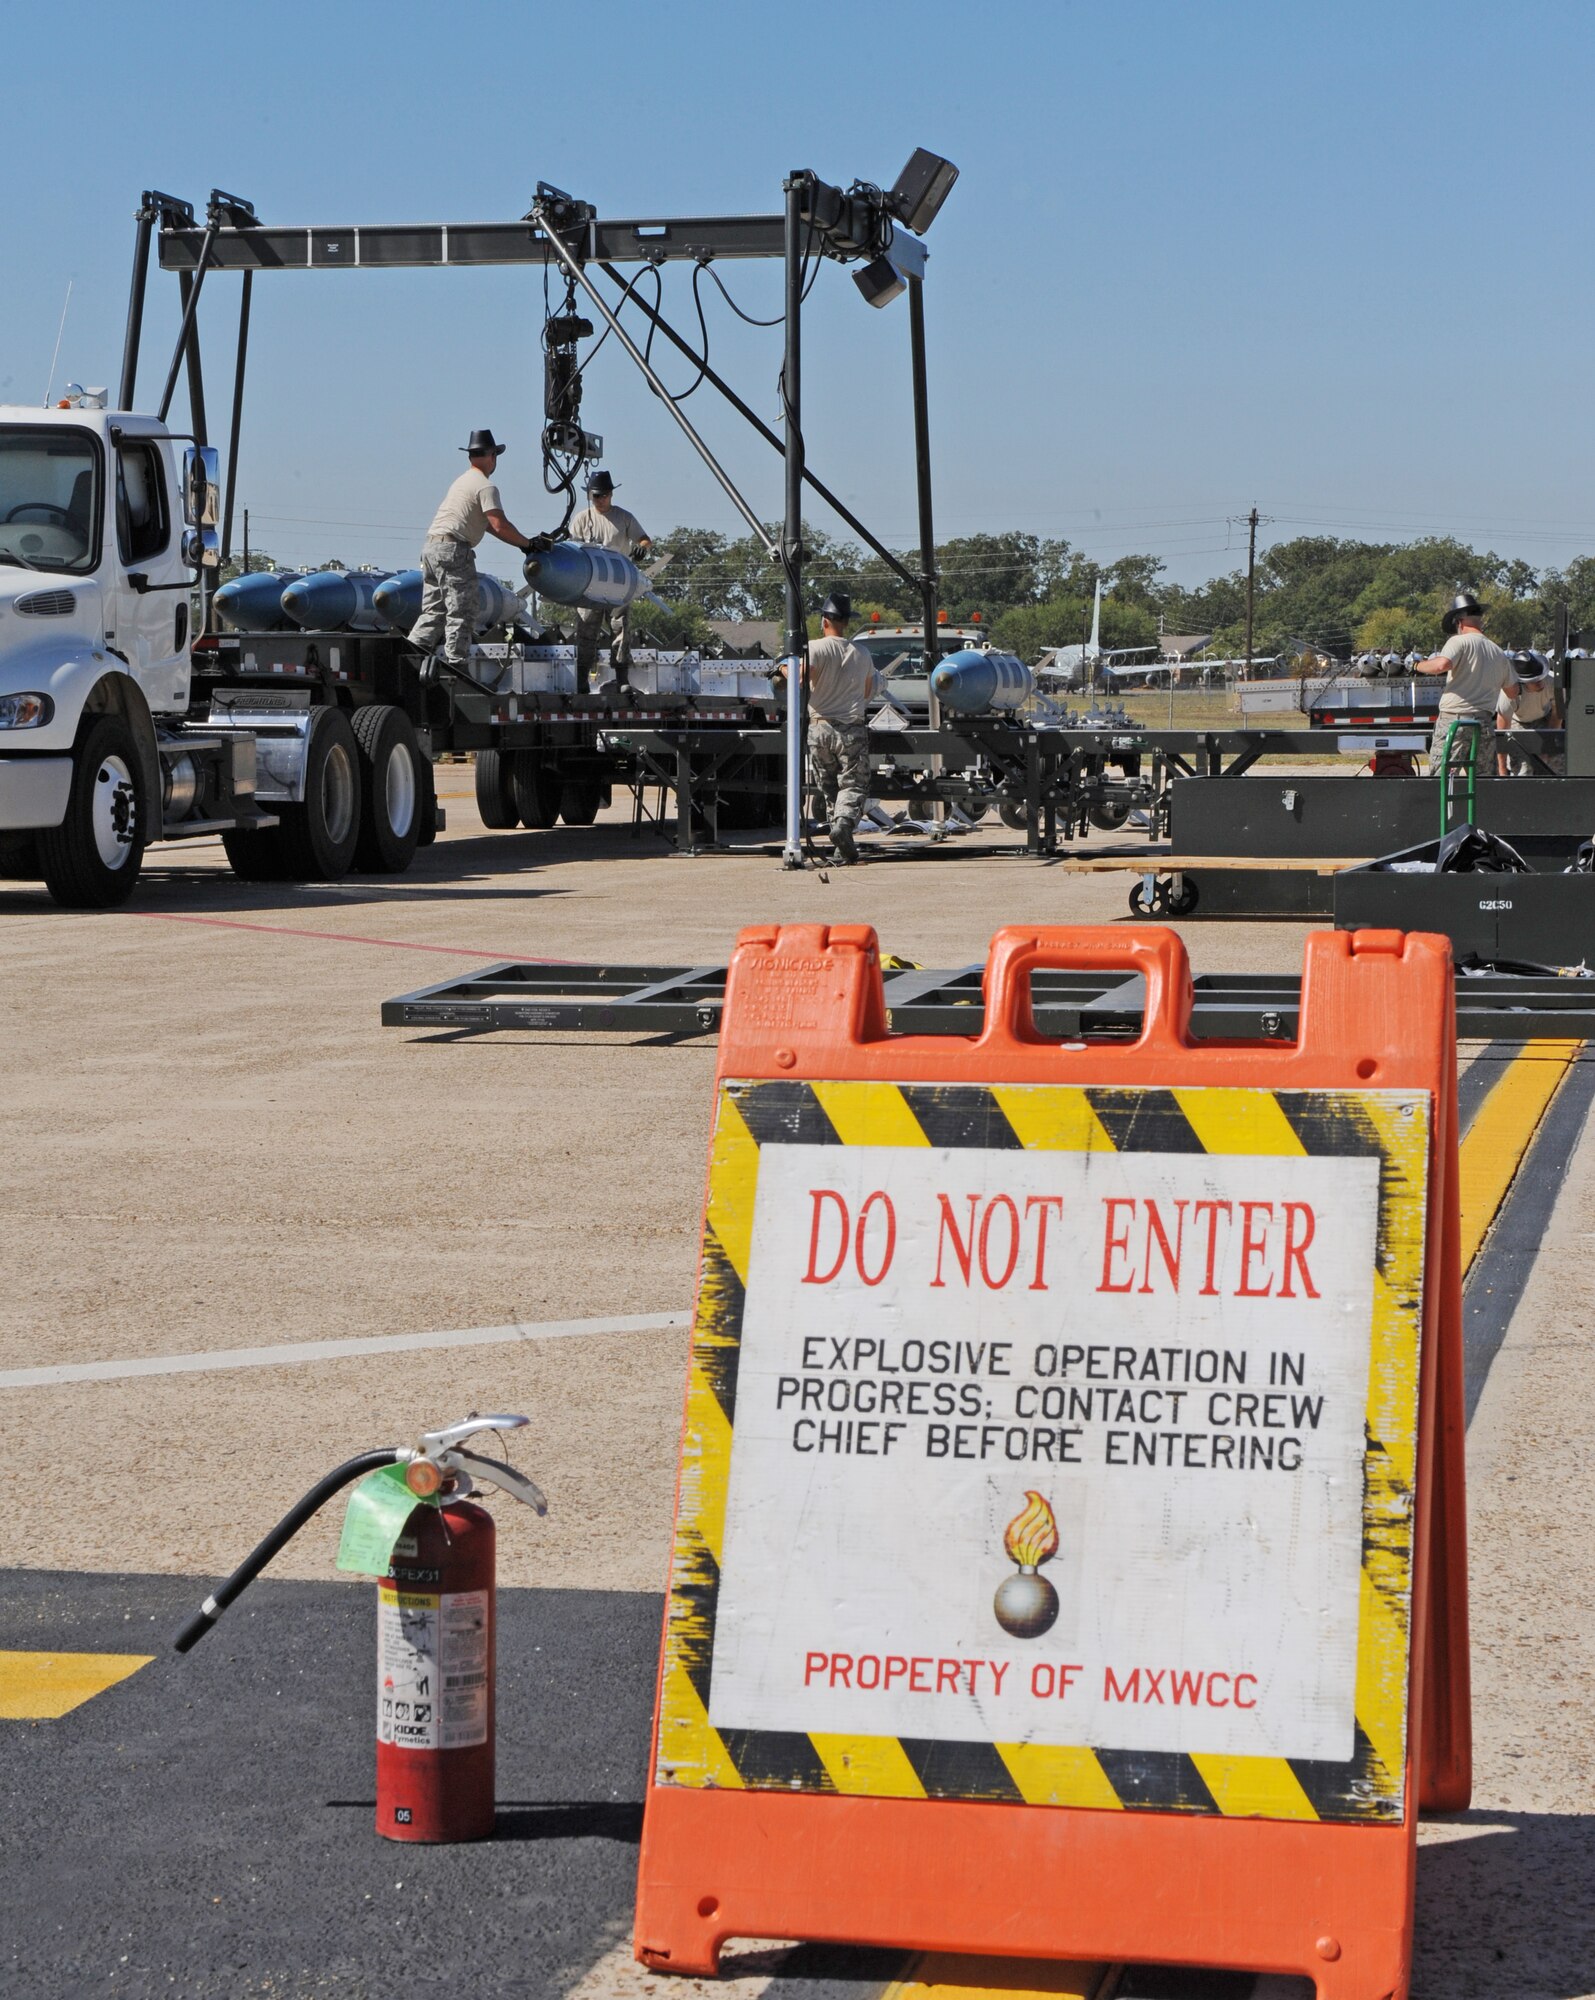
495,790
257,857
537,790
319,836
1110,814
314,841
740,812
91,860
390,803
579,800
427,831
1012,815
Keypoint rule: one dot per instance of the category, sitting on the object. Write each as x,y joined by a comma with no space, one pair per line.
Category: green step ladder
1469,771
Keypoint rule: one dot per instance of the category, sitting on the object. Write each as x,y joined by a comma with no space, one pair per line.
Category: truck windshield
49,498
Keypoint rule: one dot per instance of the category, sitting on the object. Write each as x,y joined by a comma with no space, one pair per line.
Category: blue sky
1329,260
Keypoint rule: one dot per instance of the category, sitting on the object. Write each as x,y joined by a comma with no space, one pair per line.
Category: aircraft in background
1077,666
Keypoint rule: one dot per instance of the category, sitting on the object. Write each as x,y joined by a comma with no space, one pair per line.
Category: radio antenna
54,358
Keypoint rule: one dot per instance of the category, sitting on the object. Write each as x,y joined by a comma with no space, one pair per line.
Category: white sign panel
1052,1448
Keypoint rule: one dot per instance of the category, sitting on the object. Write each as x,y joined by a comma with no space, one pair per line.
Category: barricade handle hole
708,1906
1367,1068
1073,1009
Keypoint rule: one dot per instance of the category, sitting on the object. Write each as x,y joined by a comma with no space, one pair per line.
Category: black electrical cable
731,302
701,358
280,1536
808,282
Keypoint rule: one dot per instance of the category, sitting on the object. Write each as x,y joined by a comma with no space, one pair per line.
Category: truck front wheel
91,860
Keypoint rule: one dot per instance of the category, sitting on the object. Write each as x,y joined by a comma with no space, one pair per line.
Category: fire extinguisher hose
290,1524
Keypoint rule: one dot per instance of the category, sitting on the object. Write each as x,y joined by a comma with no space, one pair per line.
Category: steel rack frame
685,1001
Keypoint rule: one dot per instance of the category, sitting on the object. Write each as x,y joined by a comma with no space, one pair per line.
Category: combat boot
842,841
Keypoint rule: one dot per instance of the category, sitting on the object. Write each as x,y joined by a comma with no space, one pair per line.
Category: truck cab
898,651
100,542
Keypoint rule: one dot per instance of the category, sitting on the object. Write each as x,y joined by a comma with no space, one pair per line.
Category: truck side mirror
202,474
202,548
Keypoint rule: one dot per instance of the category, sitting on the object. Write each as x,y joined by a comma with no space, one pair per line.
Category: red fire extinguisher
436,1620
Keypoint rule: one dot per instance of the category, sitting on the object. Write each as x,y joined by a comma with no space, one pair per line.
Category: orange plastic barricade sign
1069,1552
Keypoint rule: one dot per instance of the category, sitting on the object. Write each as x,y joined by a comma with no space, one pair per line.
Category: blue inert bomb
969,683
335,600
585,578
253,603
398,601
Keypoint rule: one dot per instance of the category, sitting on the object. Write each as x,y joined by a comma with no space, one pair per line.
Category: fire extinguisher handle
290,1524
494,1472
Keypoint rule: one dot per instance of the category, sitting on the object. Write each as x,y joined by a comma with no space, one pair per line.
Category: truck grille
47,604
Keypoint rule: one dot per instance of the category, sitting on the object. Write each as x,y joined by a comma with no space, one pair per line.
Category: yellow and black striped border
1388,1125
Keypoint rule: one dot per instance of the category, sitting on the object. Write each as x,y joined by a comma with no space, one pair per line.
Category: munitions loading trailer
558,233
726,768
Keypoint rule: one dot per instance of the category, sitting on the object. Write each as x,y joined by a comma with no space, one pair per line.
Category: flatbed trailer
686,1001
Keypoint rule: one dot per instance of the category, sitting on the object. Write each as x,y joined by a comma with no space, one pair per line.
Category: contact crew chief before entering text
841,679
471,508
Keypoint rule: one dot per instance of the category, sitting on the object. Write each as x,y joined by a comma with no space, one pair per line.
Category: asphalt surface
215,1146
205,1827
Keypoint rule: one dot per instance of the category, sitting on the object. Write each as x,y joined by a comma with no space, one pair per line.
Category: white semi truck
106,742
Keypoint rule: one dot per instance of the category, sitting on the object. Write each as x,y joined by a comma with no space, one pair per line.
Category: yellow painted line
39,1687
1501,1132
948,1976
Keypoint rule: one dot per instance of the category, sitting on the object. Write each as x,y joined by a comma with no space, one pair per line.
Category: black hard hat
1463,605
1530,665
482,441
838,607
600,482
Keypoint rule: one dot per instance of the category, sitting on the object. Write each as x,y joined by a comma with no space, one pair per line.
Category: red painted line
342,937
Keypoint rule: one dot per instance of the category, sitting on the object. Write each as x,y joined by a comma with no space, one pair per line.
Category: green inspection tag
374,1520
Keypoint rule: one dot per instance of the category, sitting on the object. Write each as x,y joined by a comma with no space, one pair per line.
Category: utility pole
1251,583
796,647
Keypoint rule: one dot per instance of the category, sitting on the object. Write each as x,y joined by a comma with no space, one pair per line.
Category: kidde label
1051,1448
432,1668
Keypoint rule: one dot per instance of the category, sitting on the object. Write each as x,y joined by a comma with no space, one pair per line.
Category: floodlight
921,188
880,281
886,277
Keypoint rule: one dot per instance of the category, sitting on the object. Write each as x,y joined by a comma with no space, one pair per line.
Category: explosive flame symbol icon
1026,1604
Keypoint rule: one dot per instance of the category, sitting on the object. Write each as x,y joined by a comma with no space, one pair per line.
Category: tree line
1335,596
